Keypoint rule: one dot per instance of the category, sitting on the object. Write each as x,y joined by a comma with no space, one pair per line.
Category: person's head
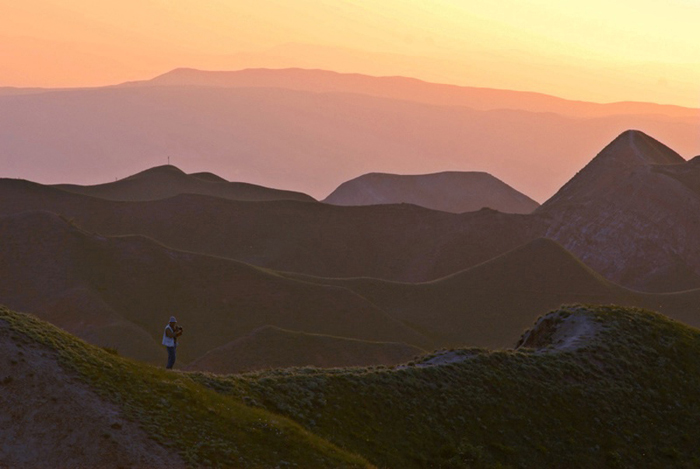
173,321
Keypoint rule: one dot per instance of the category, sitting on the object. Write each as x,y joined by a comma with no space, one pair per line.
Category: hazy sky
599,50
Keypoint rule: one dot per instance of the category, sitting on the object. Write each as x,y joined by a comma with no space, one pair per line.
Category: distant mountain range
409,89
311,130
455,192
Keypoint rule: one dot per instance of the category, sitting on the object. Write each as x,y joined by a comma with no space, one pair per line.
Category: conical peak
631,150
634,147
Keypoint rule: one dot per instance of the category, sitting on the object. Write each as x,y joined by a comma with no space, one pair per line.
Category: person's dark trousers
171,357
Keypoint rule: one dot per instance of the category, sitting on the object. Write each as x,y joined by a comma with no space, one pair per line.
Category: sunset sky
597,50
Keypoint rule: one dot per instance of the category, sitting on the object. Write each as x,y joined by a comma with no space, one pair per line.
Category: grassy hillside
205,428
597,387
589,387
272,347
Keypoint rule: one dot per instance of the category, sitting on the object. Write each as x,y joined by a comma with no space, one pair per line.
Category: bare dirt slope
566,330
51,419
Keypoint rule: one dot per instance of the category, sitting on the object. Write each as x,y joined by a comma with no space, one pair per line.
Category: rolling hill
272,347
399,242
489,305
119,291
163,182
455,192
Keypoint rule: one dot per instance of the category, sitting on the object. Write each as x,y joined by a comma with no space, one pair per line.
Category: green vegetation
206,428
628,398
624,396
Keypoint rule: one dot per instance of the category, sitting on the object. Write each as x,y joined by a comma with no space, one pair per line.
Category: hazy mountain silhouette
15,91
409,89
629,214
299,139
455,192
167,181
272,347
119,292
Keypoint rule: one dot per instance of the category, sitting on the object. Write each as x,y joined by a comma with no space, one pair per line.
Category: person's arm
169,333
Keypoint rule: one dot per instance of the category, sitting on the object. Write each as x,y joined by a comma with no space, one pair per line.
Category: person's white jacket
168,341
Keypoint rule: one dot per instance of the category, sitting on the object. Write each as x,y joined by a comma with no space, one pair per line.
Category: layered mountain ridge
387,273
322,128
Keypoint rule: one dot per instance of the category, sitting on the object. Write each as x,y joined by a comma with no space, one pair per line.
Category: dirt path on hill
554,333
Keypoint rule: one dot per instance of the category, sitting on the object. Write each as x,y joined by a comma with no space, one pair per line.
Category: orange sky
597,50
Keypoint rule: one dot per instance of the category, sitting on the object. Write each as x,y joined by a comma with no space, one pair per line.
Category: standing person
172,332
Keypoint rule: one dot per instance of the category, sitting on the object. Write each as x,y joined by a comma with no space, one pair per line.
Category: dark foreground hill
455,192
69,404
590,387
272,347
120,291
168,181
